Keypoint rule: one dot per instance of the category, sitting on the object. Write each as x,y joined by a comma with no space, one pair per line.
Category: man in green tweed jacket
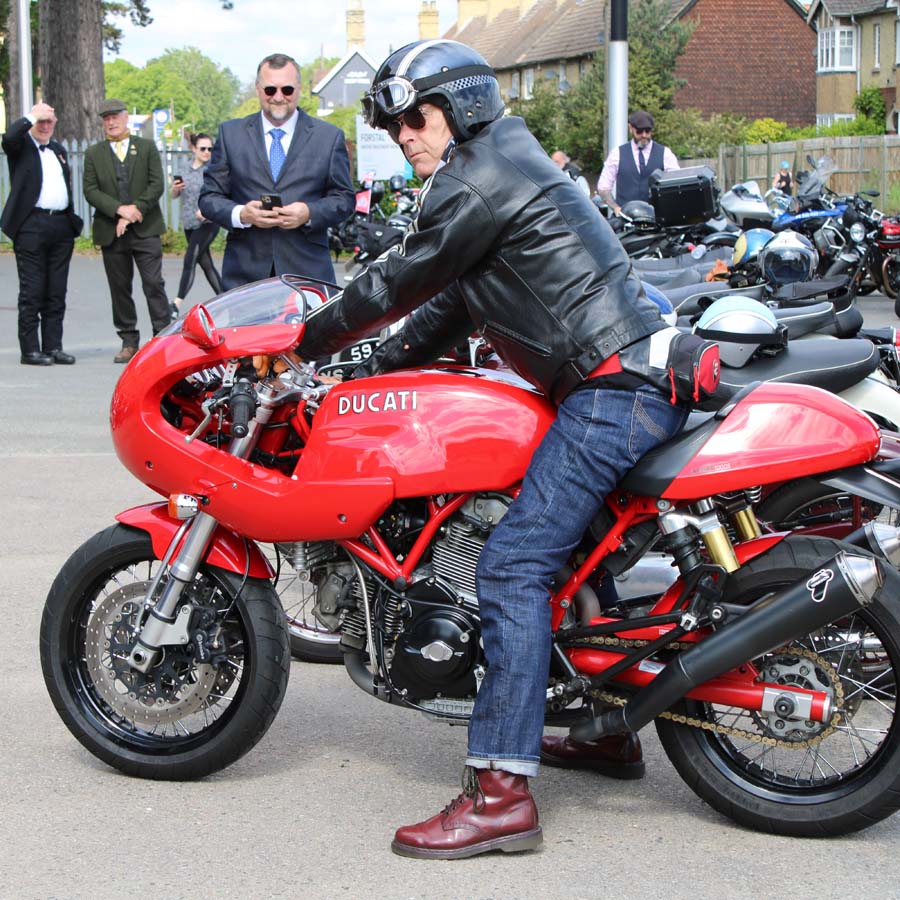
123,181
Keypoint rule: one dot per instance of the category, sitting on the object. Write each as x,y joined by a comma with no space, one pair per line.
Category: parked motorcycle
771,664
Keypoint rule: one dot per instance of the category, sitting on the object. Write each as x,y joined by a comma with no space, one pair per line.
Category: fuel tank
431,432
776,433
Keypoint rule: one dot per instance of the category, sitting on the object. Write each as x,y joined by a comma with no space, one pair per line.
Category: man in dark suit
283,152
41,221
123,181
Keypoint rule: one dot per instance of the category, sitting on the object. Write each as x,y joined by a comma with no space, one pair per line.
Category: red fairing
227,550
405,434
777,433
429,432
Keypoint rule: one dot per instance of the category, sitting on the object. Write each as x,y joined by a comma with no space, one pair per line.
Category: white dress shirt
54,193
288,127
607,179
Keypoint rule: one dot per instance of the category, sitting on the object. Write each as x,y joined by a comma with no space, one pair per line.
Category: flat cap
640,119
111,105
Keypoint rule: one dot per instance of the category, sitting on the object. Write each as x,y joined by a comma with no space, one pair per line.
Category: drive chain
727,730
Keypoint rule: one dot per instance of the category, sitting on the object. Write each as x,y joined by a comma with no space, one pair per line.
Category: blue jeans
597,437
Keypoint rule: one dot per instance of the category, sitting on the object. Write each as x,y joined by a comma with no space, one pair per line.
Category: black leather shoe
61,358
36,359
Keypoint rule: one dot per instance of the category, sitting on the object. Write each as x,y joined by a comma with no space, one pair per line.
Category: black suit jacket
316,171
26,175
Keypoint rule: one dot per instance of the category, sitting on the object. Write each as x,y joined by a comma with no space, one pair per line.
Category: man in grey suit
285,154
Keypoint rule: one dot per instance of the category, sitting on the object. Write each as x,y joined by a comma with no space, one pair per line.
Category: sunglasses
642,130
205,149
286,91
413,118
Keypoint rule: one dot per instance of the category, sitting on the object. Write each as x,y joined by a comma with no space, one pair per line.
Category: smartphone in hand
270,201
178,179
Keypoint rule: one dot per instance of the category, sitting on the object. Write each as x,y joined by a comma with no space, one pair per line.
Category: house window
513,92
823,120
897,43
837,49
876,44
527,84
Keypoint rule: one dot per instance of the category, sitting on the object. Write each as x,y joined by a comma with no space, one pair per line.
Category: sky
238,39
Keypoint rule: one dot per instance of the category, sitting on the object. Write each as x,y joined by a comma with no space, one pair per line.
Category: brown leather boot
618,756
495,811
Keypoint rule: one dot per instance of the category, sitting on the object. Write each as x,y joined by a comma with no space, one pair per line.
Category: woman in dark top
200,232
782,180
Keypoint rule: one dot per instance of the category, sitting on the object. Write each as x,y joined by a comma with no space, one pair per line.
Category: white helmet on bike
742,327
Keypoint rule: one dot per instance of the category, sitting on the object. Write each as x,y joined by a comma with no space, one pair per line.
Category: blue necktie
276,153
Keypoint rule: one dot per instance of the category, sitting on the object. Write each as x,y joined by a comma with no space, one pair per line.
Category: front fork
167,620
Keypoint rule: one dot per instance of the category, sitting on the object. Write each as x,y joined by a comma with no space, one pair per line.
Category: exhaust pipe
837,589
880,539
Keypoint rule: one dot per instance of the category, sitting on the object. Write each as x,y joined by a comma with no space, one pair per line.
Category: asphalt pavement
310,812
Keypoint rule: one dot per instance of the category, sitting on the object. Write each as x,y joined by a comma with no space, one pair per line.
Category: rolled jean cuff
514,766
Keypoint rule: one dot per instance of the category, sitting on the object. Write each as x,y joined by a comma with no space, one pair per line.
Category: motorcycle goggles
397,94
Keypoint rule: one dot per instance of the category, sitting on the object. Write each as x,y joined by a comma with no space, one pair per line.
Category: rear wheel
810,506
184,718
798,778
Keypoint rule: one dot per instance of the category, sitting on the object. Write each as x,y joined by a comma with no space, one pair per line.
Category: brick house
858,45
755,58
727,69
529,40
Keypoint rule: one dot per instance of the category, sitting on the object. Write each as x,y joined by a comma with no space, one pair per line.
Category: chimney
428,21
356,24
470,9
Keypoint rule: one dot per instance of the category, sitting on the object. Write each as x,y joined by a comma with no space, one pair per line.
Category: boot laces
471,787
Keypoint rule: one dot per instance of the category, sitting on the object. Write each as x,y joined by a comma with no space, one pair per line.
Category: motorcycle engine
432,634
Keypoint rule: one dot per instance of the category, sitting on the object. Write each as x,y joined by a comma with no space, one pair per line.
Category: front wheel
803,778
184,718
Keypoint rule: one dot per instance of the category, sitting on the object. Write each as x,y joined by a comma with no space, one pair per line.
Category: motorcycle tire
184,719
811,506
851,777
890,280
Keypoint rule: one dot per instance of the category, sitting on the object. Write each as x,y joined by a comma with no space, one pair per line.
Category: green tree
869,102
765,131
153,87
654,45
542,113
214,90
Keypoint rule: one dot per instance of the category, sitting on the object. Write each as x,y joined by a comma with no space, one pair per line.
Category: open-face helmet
787,258
748,245
742,327
642,214
448,74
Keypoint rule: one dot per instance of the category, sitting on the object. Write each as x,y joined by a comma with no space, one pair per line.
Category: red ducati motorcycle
770,666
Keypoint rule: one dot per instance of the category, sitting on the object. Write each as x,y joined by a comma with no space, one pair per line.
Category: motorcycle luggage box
684,196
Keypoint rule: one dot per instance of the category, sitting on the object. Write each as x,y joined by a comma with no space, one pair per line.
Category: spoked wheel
184,718
314,638
803,778
810,506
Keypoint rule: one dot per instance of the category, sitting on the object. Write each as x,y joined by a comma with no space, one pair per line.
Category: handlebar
243,408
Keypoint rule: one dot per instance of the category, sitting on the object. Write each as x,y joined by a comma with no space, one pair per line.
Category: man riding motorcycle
507,245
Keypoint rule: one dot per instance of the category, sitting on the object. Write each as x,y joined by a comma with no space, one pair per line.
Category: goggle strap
423,84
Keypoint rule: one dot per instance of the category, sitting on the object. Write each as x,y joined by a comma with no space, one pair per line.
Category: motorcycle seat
673,278
832,365
682,261
691,300
805,319
809,290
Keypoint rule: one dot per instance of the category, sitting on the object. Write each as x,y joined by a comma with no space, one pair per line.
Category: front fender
227,550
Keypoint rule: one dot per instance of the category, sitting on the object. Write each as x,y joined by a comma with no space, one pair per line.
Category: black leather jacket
507,245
